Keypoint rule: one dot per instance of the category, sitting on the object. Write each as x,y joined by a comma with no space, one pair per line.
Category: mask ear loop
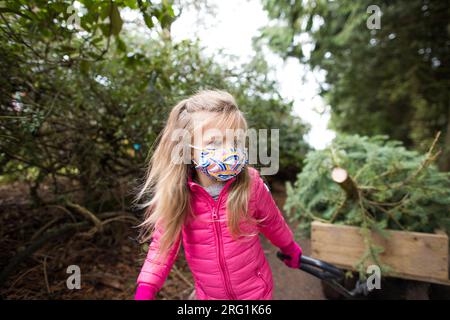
190,145
202,149
193,160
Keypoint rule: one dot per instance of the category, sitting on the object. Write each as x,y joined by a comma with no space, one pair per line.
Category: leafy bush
85,106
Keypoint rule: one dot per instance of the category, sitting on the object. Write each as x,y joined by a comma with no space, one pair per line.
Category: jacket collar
193,185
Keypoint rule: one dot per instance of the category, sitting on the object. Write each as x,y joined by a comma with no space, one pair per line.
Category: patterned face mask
221,164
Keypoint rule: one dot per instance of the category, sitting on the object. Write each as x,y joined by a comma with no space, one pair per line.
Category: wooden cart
411,255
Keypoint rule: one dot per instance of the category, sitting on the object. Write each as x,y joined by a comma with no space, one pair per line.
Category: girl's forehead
210,131
207,125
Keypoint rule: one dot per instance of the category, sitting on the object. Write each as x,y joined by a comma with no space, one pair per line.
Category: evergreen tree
394,80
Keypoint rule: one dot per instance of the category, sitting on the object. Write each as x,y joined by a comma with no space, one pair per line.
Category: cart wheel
439,291
329,292
332,294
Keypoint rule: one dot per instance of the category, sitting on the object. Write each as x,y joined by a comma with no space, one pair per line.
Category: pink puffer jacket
223,268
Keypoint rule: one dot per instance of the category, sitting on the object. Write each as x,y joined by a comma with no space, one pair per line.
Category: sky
232,27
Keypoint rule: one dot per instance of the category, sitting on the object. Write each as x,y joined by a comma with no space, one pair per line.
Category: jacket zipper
222,264
216,225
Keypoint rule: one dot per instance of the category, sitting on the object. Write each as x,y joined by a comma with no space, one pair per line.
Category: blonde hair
166,181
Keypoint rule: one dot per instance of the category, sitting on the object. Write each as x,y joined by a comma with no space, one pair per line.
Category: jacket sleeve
274,226
155,269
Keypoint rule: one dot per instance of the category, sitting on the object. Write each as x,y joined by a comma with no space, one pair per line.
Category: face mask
221,164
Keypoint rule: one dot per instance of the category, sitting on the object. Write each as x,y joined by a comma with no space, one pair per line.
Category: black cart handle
328,273
317,268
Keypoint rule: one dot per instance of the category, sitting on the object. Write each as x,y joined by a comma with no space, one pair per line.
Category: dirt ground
110,260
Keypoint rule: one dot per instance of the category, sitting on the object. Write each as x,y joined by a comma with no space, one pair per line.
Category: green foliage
396,189
74,107
393,80
51,30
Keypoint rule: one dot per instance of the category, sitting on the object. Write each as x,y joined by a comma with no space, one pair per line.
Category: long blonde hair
166,181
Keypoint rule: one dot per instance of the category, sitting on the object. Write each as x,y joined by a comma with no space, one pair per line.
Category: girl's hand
294,253
145,292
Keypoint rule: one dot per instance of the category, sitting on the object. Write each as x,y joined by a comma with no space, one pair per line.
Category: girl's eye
215,144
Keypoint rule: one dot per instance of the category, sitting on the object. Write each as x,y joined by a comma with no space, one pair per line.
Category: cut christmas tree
391,196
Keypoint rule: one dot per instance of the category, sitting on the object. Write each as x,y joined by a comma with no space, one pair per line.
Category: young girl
215,205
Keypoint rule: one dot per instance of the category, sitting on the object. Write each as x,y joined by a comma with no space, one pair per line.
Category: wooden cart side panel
412,255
